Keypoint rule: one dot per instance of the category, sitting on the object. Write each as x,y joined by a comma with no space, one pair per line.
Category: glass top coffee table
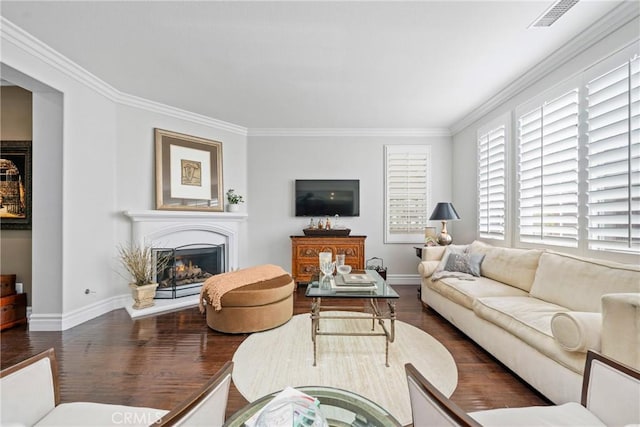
372,290
341,408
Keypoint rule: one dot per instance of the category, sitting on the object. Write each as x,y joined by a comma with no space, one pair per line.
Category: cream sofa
538,312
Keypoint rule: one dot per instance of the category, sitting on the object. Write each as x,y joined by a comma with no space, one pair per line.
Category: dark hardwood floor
157,361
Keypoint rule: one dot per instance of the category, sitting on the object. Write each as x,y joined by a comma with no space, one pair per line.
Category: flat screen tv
327,197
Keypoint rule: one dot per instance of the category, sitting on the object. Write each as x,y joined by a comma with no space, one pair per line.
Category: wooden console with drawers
305,251
13,306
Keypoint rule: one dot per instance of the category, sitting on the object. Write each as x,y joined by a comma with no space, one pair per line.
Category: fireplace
186,229
187,267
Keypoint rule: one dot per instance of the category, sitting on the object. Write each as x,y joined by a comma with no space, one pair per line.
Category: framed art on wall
15,185
188,172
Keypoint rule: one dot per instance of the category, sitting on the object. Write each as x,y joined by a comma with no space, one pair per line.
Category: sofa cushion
577,330
579,283
464,292
529,319
515,267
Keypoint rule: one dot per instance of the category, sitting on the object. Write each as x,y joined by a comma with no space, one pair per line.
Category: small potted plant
234,200
140,263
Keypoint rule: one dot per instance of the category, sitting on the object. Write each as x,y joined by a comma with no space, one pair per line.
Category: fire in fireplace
188,267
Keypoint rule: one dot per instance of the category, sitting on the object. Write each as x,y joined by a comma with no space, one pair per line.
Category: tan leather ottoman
254,307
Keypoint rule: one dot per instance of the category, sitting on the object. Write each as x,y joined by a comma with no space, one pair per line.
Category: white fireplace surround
172,229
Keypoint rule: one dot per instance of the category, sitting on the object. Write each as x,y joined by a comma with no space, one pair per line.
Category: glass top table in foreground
341,408
372,293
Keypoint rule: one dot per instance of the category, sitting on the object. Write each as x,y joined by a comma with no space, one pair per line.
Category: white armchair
205,407
31,397
610,397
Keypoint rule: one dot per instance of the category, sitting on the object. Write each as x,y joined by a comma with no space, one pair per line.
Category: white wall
93,159
464,142
276,161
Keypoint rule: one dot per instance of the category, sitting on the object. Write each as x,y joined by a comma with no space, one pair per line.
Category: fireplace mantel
163,216
171,229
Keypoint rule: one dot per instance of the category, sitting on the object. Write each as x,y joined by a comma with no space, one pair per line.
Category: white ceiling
303,64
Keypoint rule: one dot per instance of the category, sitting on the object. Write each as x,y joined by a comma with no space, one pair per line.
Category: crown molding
367,132
157,107
28,43
617,18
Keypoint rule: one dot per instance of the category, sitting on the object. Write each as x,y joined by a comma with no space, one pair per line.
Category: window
613,110
578,161
407,192
491,183
548,172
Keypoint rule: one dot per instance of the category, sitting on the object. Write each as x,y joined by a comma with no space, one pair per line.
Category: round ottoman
254,307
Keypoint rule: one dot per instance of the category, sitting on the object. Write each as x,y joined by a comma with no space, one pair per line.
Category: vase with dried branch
140,262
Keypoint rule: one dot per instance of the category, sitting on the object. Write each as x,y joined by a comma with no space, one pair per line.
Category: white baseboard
62,322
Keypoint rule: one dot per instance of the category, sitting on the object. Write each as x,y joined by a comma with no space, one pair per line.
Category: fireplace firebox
188,267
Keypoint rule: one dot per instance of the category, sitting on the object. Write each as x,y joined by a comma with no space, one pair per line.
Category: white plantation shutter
548,172
491,183
407,192
613,107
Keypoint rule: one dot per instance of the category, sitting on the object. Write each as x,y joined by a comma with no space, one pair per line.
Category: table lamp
444,211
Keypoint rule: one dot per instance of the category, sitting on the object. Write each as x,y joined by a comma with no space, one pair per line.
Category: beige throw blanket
216,286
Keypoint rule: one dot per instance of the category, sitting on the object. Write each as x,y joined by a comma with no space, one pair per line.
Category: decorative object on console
234,200
326,232
140,261
444,211
188,172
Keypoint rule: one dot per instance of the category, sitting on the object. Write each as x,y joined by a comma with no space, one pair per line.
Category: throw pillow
465,263
451,249
577,331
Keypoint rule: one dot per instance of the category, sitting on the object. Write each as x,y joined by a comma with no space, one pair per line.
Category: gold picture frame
188,172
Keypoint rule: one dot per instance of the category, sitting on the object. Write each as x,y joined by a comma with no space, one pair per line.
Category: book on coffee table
357,279
340,285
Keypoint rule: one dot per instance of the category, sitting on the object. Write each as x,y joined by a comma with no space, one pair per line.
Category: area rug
269,361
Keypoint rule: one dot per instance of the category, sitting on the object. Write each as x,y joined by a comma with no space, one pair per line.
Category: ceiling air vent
554,13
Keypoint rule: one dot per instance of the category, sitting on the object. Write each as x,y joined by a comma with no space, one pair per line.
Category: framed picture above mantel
15,185
188,172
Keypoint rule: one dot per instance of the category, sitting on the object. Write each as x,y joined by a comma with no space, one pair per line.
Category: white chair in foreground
205,407
31,397
610,397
